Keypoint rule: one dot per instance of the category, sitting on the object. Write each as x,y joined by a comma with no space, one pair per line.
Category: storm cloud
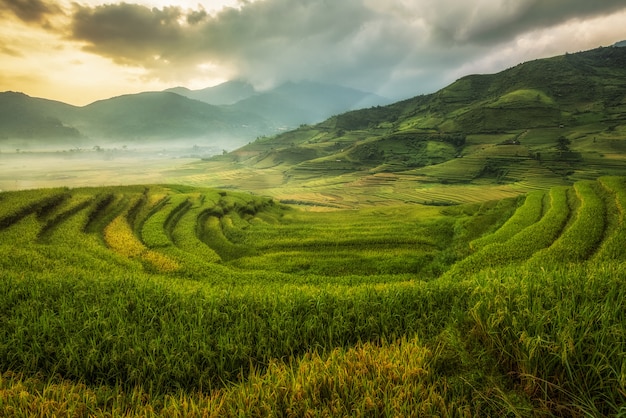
261,41
129,33
358,42
395,48
31,11
488,21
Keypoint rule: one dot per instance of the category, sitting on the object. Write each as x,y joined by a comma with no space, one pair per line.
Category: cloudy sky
84,50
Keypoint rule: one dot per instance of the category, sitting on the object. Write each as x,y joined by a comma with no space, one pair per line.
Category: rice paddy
185,301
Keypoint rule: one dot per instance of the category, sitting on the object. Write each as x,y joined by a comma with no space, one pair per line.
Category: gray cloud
493,21
397,48
128,33
31,11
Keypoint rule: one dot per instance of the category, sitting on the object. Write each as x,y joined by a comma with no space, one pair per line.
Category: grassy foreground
179,301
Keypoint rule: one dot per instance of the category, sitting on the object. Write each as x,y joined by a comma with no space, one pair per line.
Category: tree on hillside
562,144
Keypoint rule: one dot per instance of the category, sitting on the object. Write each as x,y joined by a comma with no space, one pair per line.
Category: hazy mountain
223,94
558,117
620,44
178,114
150,116
292,104
22,116
287,105
165,115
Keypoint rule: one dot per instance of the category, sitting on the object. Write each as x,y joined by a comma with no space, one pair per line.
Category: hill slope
292,104
161,116
539,124
287,105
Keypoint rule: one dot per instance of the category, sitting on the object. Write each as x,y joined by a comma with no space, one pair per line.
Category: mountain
162,116
292,104
176,114
226,93
134,118
25,117
546,121
287,105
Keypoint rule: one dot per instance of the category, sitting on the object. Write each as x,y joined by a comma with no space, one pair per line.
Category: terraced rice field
568,224
169,231
179,301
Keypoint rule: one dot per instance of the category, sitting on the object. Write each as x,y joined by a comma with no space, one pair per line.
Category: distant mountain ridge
165,115
287,105
226,93
228,115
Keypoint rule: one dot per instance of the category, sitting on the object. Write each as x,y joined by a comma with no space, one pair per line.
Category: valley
461,253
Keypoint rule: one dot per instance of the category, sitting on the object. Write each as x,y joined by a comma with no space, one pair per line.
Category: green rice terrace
183,301
541,124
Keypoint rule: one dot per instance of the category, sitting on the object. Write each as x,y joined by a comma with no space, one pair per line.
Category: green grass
557,332
19,205
527,214
156,230
178,301
524,243
584,235
185,232
614,247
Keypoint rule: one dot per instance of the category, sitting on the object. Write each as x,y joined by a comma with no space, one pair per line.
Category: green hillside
542,123
182,301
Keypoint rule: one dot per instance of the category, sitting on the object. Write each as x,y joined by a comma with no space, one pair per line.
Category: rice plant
525,243
526,215
614,246
168,301
583,236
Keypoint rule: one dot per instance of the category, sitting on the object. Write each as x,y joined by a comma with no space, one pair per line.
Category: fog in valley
70,165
